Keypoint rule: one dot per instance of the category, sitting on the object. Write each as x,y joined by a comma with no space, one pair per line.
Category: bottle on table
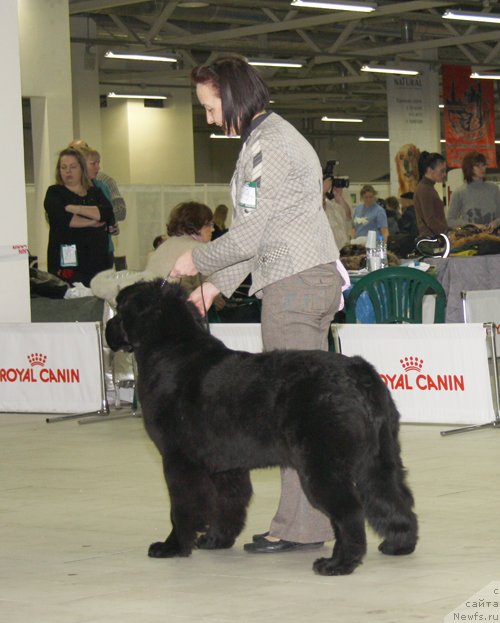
381,250
372,256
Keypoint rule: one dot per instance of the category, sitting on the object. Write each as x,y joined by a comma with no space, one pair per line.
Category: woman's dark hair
428,161
392,203
188,218
69,151
471,159
241,89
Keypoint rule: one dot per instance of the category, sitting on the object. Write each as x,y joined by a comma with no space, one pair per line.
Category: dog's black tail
387,499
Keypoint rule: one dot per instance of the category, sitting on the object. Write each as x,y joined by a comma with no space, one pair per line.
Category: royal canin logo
37,372
420,381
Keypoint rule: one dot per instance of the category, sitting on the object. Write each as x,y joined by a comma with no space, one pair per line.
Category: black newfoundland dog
214,414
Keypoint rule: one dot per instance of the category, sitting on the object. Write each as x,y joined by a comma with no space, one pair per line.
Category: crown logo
37,359
412,363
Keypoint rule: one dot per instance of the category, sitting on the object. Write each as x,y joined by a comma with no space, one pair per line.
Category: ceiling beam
303,22
125,29
88,6
491,35
304,82
162,19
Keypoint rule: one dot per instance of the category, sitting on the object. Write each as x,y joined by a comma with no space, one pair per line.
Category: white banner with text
50,367
437,373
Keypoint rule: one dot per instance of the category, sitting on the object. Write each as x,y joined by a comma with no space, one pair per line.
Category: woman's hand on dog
204,296
184,265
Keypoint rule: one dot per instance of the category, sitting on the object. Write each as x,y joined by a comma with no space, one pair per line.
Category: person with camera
280,234
337,208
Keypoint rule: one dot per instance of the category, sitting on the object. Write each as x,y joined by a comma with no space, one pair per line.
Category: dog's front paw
162,549
331,566
396,549
210,541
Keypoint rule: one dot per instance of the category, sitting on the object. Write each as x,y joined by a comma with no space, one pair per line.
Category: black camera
337,182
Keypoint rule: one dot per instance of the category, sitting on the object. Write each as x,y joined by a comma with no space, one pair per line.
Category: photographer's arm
339,198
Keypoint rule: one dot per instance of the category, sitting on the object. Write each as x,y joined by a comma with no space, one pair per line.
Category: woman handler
280,235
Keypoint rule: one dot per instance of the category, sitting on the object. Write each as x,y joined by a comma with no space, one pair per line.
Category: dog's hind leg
233,491
192,502
330,488
387,500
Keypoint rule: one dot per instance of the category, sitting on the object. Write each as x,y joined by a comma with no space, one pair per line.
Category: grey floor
81,503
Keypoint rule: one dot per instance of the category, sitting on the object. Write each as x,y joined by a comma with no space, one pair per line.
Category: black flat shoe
258,537
263,546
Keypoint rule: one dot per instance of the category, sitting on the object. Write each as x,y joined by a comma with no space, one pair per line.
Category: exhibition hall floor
81,503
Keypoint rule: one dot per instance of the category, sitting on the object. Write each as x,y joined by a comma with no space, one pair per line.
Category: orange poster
469,115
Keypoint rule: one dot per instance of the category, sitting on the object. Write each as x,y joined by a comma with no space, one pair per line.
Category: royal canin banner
437,373
50,368
244,336
469,115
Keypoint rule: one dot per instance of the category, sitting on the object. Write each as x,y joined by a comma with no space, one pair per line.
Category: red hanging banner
469,115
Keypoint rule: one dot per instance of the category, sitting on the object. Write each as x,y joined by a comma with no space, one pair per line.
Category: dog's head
407,166
148,311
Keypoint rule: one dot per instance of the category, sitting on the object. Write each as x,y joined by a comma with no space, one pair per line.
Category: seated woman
79,216
190,225
369,215
476,201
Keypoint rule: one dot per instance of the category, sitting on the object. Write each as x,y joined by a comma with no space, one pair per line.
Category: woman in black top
79,217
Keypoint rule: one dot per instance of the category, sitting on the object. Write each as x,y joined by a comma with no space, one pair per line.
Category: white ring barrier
51,367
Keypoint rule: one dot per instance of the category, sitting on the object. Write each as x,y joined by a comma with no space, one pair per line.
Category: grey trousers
296,314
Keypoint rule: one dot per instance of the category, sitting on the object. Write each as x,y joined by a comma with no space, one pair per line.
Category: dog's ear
139,309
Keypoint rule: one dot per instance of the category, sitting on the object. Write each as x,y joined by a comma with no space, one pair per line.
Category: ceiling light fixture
475,74
192,5
368,139
130,56
224,136
380,69
341,120
276,63
468,16
137,97
365,7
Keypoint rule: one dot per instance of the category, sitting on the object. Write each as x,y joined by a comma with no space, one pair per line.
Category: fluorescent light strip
339,120
390,70
137,97
474,74
276,63
224,136
441,106
366,7
467,16
367,139
140,57
444,141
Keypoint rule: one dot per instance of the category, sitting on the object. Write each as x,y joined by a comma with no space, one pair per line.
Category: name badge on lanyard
68,255
248,197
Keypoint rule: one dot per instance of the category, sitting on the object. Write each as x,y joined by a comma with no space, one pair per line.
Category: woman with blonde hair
79,216
220,216
369,215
